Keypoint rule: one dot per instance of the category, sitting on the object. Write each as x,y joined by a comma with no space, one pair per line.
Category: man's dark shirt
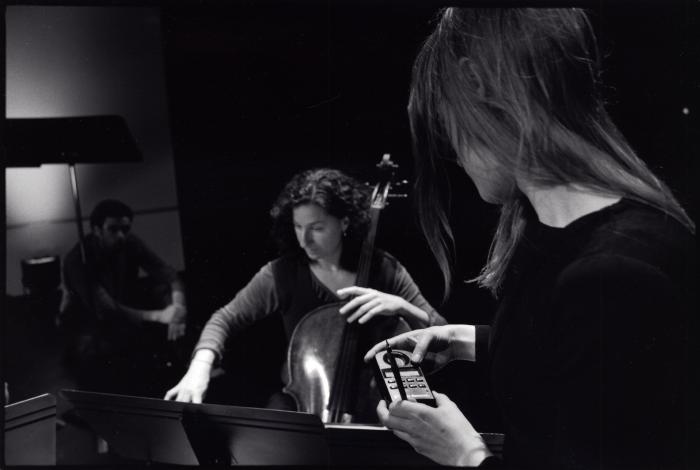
116,272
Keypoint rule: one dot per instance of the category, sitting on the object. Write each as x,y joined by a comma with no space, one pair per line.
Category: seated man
109,313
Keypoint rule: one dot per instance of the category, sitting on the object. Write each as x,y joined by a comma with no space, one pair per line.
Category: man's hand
165,315
178,323
175,317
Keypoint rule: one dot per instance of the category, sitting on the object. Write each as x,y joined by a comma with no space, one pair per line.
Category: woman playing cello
320,220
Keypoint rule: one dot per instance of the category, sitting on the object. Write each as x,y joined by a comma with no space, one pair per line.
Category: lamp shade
41,274
79,139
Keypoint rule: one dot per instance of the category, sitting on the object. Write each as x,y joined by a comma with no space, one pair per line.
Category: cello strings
345,366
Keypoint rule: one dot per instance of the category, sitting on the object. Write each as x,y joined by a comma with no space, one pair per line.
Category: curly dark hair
335,192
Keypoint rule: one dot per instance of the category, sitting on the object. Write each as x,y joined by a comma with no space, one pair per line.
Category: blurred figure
109,313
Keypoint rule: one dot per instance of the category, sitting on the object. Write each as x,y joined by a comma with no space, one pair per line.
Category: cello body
313,365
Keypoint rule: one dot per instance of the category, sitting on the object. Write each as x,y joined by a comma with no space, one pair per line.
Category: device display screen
404,373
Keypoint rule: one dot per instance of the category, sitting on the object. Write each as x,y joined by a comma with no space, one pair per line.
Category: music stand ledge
149,430
30,431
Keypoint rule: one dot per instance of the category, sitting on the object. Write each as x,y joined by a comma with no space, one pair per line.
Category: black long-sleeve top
588,352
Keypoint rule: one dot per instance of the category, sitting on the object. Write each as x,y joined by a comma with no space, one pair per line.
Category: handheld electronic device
400,379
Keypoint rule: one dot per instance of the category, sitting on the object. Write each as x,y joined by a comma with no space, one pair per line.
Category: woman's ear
345,223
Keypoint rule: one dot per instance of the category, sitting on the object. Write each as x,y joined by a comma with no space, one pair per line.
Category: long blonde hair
524,84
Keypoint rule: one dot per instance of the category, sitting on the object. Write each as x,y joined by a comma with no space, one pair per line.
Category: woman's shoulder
386,259
639,233
636,246
382,254
286,261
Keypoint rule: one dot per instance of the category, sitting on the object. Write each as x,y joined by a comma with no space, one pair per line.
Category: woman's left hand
442,434
369,303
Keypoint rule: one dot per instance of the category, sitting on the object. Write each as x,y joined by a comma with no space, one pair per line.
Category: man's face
113,232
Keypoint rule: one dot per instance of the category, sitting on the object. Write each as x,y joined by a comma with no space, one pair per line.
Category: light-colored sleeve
254,302
405,287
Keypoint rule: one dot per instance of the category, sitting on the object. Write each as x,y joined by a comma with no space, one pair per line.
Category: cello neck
342,397
342,402
377,203
367,250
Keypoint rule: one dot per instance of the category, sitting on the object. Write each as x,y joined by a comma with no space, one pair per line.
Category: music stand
149,430
70,140
30,431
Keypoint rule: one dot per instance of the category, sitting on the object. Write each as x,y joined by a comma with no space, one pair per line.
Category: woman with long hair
320,220
592,259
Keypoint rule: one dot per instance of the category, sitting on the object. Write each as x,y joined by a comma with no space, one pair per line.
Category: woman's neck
327,264
558,206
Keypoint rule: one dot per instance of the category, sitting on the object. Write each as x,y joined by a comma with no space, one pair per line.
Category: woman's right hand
453,342
193,385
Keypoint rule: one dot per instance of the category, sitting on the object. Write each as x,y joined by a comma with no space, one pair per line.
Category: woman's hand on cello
369,303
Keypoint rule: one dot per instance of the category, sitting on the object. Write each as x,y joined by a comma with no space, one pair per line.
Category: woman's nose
304,238
309,237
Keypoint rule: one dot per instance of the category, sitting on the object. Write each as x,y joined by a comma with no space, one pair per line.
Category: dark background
258,93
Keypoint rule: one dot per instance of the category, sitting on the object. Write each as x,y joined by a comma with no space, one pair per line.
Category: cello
324,357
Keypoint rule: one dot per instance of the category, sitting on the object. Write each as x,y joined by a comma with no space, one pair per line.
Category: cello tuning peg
386,162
